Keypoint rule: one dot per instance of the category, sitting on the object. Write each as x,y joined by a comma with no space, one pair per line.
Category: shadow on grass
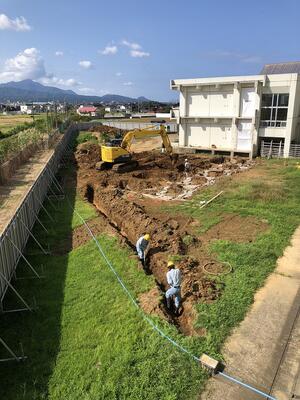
39,331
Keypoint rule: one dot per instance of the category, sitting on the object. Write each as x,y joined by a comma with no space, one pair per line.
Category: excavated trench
131,221
128,203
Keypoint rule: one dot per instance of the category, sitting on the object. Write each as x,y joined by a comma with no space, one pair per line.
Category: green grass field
87,341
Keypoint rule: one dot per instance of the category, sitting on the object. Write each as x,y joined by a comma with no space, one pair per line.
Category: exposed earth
129,206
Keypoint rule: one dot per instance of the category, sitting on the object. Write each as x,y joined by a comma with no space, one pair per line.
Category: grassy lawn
87,341
272,195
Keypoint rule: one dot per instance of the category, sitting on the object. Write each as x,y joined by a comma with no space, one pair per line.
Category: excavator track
103,165
126,167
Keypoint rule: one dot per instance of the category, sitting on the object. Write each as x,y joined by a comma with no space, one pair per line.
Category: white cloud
119,73
135,49
109,50
28,64
87,90
85,64
18,24
132,45
59,53
128,83
54,80
138,53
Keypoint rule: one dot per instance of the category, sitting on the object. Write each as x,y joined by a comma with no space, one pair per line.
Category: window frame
273,122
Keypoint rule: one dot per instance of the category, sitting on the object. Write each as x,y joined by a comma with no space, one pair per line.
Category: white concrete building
237,114
26,109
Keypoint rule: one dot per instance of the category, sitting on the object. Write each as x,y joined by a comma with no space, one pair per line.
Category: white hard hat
186,159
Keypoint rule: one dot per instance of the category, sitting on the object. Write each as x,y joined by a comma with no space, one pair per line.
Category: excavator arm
140,133
119,157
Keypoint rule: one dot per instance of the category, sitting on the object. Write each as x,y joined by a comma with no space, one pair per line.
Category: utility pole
47,123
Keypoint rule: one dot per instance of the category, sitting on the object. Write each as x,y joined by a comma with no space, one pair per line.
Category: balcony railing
272,124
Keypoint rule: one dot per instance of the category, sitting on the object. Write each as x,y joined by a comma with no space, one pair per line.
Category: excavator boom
119,157
151,131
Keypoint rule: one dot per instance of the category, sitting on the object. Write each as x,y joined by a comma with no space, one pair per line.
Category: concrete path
264,351
13,192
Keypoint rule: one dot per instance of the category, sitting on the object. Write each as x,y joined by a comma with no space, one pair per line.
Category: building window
274,109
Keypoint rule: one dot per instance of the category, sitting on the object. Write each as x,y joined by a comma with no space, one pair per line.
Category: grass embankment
87,341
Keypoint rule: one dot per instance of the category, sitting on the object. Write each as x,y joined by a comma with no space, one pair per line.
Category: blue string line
156,328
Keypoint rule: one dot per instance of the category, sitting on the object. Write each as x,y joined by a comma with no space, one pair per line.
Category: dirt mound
87,155
106,133
111,131
129,203
131,220
236,229
150,302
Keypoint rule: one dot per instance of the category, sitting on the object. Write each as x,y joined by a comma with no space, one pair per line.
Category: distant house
87,110
26,109
174,113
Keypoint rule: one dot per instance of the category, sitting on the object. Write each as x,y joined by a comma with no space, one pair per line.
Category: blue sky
135,47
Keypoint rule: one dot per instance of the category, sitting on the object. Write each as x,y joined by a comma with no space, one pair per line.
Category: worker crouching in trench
141,247
174,292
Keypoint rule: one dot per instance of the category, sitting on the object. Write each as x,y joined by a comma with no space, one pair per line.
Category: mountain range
29,91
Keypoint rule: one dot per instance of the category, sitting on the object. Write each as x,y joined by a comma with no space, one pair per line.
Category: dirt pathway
13,192
264,351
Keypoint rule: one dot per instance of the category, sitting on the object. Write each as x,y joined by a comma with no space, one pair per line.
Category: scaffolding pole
44,208
34,238
28,308
13,357
40,222
24,258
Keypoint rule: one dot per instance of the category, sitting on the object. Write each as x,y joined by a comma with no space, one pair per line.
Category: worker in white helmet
174,281
141,246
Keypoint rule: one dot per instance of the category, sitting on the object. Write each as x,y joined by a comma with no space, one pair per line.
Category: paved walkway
13,192
264,351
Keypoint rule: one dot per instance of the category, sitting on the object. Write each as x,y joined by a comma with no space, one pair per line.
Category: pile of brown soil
121,200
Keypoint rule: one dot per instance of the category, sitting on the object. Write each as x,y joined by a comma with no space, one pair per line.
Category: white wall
209,102
208,135
247,102
163,115
272,132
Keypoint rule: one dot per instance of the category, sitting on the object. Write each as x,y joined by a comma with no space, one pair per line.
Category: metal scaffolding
16,234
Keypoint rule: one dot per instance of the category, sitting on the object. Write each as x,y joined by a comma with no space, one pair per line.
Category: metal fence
294,150
272,149
276,149
171,127
14,238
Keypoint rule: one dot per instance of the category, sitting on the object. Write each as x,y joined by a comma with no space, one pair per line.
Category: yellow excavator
116,154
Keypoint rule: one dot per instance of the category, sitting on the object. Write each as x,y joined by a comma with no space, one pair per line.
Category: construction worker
141,246
174,280
187,166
